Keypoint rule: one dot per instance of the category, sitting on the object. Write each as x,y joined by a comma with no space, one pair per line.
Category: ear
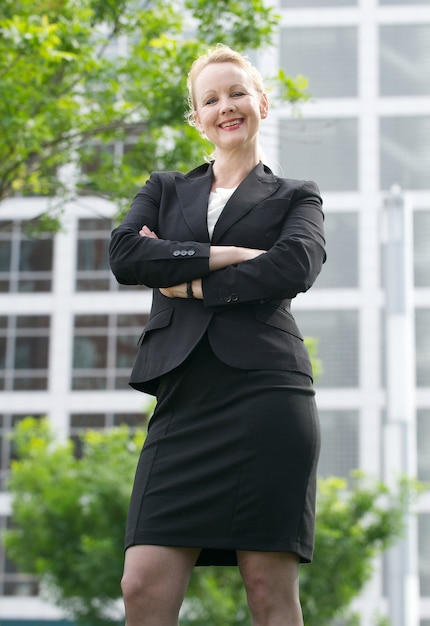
264,106
197,121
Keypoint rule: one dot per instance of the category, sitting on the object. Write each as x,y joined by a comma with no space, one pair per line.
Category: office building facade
68,332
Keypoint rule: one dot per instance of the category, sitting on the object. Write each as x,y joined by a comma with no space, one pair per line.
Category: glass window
25,262
104,349
7,424
24,352
80,422
92,271
421,248
424,553
336,333
405,152
323,150
12,582
341,267
340,452
327,56
382,2
404,51
422,346
423,444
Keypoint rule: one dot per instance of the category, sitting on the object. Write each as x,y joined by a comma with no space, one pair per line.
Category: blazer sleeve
290,266
136,260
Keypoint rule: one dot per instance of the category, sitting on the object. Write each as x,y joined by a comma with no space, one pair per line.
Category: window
424,553
327,56
7,424
13,583
341,268
323,150
404,68
422,346
93,272
404,2
336,333
25,262
80,422
104,349
421,248
24,351
405,152
423,444
340,452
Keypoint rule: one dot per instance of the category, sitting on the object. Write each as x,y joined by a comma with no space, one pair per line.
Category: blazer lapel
256,187
193,194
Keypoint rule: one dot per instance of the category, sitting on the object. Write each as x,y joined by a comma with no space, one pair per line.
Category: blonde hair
219,54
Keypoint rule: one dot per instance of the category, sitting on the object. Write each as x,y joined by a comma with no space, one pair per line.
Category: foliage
101,85
317,366
69,515
293,90
356,522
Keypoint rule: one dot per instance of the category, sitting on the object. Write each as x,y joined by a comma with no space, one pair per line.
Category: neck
230,170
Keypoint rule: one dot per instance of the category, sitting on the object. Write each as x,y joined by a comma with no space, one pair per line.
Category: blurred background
68,332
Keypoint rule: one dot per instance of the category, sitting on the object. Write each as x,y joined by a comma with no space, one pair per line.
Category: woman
228,470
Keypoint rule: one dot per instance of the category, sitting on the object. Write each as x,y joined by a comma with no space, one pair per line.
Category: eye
237,94
210,101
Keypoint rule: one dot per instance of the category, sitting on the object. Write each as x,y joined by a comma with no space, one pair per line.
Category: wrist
190,292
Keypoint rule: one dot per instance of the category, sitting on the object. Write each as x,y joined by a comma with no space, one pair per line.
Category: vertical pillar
399,437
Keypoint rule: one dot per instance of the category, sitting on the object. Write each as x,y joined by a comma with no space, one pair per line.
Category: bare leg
271,580
154,583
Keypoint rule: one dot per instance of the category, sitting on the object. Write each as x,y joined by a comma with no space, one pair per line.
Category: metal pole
399,436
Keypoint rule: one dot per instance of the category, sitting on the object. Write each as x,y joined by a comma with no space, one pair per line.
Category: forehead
219,75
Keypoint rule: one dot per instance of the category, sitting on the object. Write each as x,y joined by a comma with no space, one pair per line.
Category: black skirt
229,462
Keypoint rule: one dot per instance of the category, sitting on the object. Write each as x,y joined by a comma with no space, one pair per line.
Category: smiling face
228,107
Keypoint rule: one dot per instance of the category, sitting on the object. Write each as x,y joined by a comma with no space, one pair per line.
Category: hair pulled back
219,54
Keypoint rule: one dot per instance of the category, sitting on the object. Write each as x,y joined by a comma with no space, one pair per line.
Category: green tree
101,84
69,514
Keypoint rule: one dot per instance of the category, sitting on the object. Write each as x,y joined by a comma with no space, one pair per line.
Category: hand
180,291
177,291
223,256
147,232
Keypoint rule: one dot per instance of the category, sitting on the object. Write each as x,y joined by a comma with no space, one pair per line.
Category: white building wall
364,399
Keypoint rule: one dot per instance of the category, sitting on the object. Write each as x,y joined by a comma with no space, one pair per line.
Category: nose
227,105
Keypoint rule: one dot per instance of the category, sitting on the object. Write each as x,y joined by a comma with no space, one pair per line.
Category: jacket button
176,252
191,252
183,253
231,298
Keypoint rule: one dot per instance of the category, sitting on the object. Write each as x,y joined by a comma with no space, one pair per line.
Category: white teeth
233,123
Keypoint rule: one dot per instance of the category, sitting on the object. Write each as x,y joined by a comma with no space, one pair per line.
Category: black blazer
246,307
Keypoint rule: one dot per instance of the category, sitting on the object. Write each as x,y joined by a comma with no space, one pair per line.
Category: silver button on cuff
233,297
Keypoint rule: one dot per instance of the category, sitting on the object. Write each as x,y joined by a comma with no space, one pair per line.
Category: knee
131,587
259,595
269,599
137,590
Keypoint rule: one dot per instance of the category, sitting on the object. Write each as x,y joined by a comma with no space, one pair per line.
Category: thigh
167,569
276,573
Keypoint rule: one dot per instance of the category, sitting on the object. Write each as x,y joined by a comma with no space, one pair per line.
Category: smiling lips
231,123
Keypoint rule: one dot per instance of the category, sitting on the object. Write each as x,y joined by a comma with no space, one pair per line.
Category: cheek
205,120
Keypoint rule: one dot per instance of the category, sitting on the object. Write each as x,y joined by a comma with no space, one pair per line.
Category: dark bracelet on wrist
190,294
